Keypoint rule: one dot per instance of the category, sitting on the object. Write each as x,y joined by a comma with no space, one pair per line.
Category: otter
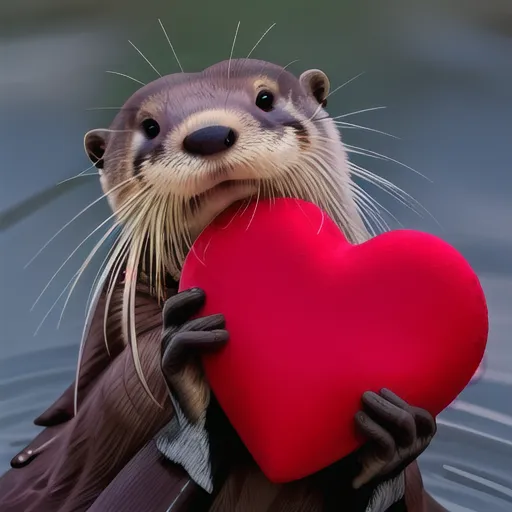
181,150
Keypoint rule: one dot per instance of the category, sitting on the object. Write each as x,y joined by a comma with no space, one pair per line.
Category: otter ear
317,84
95,143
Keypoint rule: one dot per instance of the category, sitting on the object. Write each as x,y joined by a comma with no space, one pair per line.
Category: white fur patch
188,445
138,140
387,494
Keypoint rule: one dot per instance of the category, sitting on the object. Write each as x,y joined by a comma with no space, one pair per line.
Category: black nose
210,140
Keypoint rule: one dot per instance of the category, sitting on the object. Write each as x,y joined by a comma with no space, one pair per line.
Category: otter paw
184,339
397,434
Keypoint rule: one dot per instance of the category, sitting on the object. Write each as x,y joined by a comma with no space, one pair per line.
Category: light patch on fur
138,140
187,444
387,494
266,84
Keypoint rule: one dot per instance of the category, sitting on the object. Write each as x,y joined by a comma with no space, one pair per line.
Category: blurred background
442,68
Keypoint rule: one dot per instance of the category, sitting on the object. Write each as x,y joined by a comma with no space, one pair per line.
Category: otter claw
183,338
397,434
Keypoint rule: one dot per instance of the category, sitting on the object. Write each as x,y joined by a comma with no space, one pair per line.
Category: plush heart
315,321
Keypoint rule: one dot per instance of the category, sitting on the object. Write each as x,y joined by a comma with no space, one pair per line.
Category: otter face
186,146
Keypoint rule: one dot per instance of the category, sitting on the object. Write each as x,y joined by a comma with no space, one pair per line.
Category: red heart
315,321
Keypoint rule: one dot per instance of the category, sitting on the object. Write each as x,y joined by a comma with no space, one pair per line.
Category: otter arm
115,419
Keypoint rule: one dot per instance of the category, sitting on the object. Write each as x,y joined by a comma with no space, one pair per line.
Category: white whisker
344,84
255,208
145,58
81,175
76,217
350,125
232,49
358,112
374,154
125,76
290,64
261,39
103,108
83,267
52,307
170,44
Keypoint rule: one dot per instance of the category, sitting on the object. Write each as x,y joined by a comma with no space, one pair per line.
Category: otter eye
265,101
151,128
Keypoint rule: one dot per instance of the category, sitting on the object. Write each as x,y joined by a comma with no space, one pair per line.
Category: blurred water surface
442,69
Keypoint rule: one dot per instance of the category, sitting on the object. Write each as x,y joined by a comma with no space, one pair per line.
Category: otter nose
209,140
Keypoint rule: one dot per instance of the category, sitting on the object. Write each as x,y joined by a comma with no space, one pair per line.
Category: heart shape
315,321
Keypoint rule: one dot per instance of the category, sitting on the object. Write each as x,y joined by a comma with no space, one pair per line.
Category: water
443,70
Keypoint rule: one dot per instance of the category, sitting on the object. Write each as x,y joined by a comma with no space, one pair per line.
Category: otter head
188,145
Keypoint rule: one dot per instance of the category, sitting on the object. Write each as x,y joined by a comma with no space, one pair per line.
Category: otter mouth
225,189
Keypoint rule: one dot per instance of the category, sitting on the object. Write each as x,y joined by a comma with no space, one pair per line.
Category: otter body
181,150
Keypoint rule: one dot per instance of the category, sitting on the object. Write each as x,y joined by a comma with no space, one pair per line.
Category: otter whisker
52,307
342,217
82,268
101,270
109,218
145,58
358,112
128,206
114,259
130,231
371,219
344,84
381,225
82,347
384,185
76,217
319,166
374,154
373,204
170,44
160,249
350,125
388,187
362,212
261,39
128,327
367,207
115,266
312,189
321,106
395,191
69,257
247,204
110,130
125,76
103,108
356,188
255,208
232,50
287,66
81,175
235,214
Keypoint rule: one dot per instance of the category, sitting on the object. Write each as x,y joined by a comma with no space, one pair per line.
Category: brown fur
116,417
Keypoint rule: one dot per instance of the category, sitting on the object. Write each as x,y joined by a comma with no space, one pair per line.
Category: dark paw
397,434
183,340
